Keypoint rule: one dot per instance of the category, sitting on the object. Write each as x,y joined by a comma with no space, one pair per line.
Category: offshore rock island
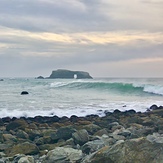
67,74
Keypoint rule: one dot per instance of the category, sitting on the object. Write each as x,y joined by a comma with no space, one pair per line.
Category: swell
129,88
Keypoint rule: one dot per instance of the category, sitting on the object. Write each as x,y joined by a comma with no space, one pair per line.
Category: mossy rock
23,148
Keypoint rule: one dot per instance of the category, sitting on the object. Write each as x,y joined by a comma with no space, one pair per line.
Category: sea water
81,97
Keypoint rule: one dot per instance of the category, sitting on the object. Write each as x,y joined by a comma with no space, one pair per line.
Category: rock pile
119,137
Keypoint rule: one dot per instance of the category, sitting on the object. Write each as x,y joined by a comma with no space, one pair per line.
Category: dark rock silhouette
24,93
67,74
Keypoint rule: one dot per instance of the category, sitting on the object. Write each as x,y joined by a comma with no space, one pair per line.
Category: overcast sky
107,38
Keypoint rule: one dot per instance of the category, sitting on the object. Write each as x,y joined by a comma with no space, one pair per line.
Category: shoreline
88,139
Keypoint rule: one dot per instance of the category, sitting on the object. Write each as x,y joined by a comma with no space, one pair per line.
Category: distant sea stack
67,74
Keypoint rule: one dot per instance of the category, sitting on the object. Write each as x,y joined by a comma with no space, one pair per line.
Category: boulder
155,138
67,74
92,128
24,93
63,155
9,138
134,150
26,159
92,146
102,132
23,148
81,137
17,124
22,134
65,132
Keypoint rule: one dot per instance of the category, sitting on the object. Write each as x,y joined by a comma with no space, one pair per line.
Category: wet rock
26,159
155,138
65,132
134,150
33,134
17,124
4,146
23,148
81,137
74,118
17,157
9,138
92,128
153,107
39,141
92,146
2,161
6,119
102,132
63,155
124,132
22,134
24,93
54,137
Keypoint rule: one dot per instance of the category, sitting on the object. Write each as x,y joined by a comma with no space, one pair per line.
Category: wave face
114,87
77,96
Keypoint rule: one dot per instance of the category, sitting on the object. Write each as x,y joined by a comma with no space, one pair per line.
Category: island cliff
67,74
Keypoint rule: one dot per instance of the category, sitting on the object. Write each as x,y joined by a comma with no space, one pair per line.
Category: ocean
81,97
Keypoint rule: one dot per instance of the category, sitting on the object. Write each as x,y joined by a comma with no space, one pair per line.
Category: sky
107,38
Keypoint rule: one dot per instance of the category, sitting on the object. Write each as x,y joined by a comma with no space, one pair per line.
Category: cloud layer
96,36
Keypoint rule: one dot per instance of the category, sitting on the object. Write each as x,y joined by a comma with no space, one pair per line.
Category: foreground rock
134,150
63,155
118,137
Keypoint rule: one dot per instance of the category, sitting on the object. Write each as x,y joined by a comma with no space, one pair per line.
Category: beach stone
47,139
47,147
102,132
17,124
17,157
9,138
4,146
22,134
23,148
2,161
155,138
65,132
134,150
33,134
153,107
81,137
39,141
63,155
54,137
125,133
6,119
92,128
2,154
26,159
74,118
92,146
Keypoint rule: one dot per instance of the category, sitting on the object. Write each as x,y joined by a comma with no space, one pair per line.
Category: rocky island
67,74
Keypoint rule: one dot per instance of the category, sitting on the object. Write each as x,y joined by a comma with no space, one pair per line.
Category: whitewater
49,97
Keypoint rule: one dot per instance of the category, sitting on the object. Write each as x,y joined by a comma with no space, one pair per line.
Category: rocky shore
119,137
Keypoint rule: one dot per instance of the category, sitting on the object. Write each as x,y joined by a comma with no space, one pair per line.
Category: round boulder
24,93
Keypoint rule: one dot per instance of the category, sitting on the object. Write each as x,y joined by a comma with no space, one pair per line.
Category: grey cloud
23,55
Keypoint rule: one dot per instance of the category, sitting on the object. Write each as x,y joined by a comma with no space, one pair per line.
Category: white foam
95,108
154,89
